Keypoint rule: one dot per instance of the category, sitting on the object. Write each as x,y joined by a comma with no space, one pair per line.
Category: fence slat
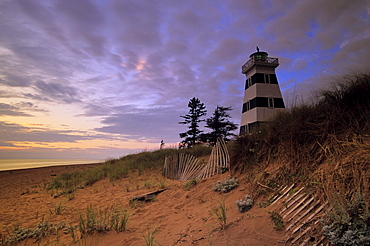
184,166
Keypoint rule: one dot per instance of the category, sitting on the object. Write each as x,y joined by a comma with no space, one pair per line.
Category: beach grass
220,213
115,169
149,236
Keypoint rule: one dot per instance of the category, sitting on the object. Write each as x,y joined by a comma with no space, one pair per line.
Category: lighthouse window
246,106
271,102
248,83
267,78
273,79
279,103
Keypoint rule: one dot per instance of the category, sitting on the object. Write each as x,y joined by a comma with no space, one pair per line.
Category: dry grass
324,144
115,169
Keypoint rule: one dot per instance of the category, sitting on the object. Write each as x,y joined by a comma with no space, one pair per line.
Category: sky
101,79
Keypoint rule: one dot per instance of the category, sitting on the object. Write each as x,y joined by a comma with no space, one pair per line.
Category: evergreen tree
192,119
220,125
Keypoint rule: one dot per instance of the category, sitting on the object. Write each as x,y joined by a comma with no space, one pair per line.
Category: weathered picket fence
186,167
301,214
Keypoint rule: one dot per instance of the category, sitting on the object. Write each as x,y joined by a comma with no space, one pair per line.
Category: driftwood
148,197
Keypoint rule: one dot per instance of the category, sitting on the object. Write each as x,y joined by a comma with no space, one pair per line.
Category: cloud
17,133
8,94
55,92
6,109
144,124
96,110
228,50
133,30
132,66
15,80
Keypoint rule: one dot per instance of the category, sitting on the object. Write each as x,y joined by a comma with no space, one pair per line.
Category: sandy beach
180,216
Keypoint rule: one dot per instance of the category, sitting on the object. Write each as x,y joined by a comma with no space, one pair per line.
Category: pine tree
192,119
220,125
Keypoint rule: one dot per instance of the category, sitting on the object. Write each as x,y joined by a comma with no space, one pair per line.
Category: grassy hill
323,145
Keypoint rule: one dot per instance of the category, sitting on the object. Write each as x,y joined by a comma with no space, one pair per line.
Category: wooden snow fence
186,167
182,167
301,214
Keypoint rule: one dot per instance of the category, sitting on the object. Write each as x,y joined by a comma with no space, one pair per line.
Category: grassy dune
323,145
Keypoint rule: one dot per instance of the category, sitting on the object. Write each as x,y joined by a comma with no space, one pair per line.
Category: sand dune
180,216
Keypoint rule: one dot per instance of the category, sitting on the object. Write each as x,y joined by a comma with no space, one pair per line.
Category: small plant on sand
161,183
70,196
149,236
244,205
102,220
135,203
148,184
263,204
277,220
42,229
93,221
58,208
190,184
221,213
119,220
71,229
95,189
226,185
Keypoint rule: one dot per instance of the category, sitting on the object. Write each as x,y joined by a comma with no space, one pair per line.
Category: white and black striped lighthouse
262,95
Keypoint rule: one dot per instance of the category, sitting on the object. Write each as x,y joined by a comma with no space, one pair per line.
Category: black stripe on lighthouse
263,102
262,78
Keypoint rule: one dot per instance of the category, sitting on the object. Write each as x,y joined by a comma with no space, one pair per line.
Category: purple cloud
101,56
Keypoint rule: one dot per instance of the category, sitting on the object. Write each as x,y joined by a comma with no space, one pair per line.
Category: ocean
13,164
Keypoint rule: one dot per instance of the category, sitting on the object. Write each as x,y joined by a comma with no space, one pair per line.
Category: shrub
244,205
42,229
226,185
277,220
190,184
350,224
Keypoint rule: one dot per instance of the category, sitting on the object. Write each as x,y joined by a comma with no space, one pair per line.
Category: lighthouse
262,95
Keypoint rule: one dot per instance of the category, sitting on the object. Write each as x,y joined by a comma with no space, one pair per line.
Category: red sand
182,217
